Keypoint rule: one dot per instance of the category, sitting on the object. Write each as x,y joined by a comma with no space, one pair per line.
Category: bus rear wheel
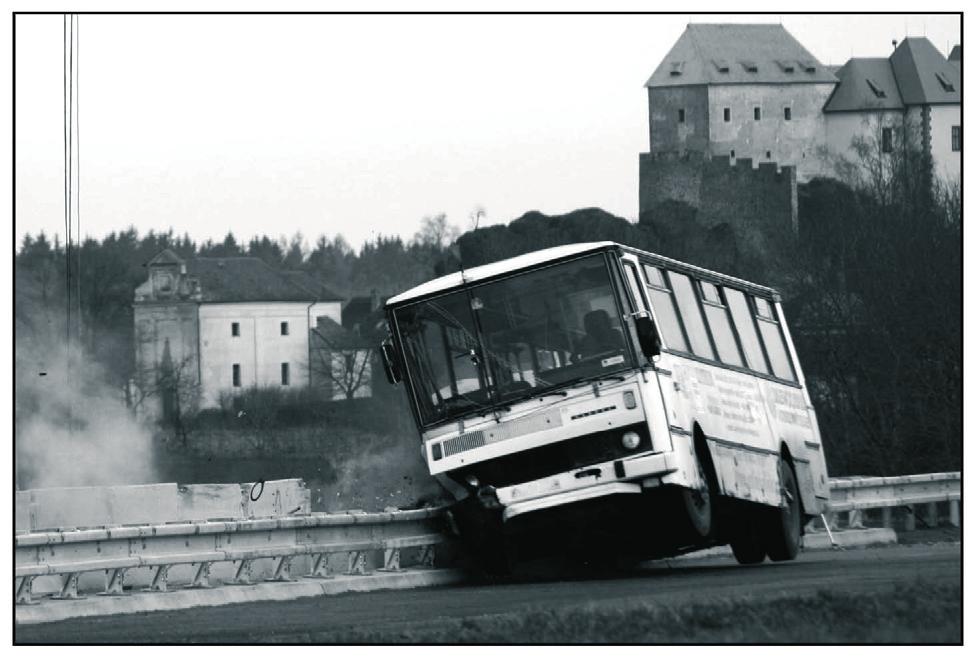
746,541
784,527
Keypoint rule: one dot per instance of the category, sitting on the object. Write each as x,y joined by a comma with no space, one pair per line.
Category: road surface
867,571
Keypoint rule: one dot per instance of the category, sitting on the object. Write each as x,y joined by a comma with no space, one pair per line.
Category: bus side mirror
648,336
389,361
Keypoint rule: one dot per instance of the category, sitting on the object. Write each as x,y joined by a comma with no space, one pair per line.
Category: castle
751,98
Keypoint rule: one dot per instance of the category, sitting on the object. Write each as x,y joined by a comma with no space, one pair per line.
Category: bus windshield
510,339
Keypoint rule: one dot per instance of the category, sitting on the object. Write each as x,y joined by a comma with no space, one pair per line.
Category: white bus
597,398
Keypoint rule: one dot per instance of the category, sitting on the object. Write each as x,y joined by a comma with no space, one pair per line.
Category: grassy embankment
913,613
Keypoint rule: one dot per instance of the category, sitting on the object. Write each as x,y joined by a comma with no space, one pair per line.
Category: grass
913,613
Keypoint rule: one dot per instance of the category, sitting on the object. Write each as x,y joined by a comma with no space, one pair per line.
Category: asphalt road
868,570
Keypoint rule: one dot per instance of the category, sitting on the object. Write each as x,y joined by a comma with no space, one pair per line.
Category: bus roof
539,257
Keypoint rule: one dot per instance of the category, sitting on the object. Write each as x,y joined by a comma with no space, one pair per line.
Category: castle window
787,113
955,138
786,65
733,154
767,154
757,113
808,66
681,115
676,68
876,89
234,329
285,329
236,375
726,114
887,141
722,66
285,373
946,84
750,66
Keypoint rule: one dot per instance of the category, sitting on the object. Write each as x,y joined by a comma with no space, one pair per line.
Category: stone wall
721,192
666,131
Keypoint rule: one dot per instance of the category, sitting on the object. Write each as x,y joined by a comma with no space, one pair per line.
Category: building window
757,113
767,154
955,138
787,113
234,329
236,375
681,115
726,114
285,373
887,140
733,154
285,330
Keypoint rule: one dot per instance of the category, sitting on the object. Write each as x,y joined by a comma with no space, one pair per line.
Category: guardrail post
357,561
25,590
390,562
201,580
931,518
887,517
160,579
427,554
910,520
282,571
69,590
954,513
244,572
319,568
114,582
855,519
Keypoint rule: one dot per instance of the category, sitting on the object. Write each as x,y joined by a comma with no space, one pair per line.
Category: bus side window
686,300
744,322
715,309
774,342
664,310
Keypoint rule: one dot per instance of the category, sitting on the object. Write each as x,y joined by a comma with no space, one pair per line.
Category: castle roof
865,83
732,53
924,75
915,74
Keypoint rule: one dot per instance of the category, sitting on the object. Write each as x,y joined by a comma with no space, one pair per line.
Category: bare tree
348,369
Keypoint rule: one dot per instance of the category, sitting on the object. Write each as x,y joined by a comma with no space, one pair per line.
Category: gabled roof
715,54
865,83
245,279
924,75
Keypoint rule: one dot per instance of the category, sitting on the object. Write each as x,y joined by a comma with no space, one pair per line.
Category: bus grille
463,442
555,457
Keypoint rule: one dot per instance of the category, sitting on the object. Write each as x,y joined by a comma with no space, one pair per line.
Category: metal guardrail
855,495
65,555
159,548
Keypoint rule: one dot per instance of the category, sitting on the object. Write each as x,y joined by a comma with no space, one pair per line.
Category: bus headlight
630,439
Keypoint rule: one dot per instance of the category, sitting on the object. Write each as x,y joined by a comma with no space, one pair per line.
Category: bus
598,400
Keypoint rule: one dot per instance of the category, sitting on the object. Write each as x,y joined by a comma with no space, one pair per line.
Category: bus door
649,387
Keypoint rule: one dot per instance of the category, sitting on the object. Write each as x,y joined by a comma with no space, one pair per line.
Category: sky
358,125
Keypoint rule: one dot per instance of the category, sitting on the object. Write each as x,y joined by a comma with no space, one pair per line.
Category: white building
910,98
208,327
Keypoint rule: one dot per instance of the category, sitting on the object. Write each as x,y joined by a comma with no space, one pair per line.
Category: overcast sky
359,125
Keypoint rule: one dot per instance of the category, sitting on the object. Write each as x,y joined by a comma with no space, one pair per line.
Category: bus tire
746,541
698,505
784,528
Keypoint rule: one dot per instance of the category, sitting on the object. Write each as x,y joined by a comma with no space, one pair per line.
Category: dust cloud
72,428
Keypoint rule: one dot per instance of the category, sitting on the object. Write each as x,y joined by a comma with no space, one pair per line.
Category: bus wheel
699,504
784,528
746,541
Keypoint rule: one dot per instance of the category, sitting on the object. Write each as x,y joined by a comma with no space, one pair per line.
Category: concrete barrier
283,497
207,501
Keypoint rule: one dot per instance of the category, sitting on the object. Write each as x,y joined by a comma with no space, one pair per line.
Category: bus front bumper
628,476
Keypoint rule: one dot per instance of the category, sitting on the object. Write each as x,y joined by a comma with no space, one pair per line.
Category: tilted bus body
595,395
